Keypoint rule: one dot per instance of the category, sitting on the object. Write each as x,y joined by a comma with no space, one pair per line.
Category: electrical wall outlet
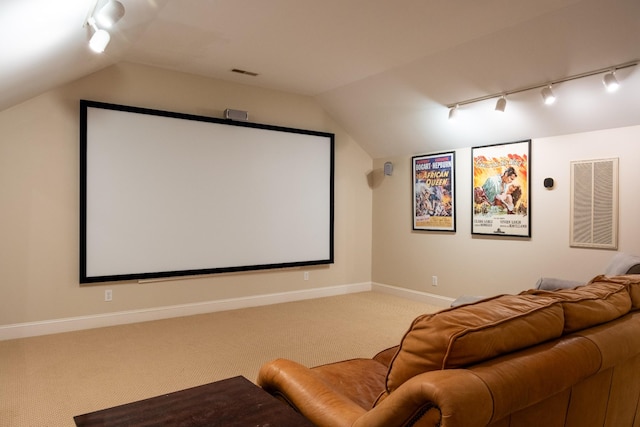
306,275
108,295
434,280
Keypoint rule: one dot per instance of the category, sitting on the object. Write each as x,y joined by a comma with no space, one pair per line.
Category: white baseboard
55,326
424,297
32,329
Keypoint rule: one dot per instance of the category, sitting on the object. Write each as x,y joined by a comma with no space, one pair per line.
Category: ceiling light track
609,81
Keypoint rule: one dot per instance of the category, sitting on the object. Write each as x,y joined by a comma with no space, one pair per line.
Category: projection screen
166,194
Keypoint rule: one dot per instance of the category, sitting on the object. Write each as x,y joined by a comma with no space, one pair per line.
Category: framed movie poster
434,192
501,191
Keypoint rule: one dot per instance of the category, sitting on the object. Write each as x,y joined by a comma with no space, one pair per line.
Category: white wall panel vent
594,204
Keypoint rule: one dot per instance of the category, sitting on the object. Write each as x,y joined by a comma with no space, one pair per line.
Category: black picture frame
501,196
434,206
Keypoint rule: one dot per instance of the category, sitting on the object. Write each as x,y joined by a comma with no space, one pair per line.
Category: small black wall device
548,183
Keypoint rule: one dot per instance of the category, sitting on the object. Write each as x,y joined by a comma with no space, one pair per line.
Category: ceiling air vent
248,73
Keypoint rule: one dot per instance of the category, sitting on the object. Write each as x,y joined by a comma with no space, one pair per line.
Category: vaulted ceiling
385,70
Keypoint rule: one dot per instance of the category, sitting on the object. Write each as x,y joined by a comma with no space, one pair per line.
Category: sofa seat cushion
590,305
467,334
360,380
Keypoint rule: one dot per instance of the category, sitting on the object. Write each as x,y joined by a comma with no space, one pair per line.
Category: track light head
501,104
109,14
610,82
548,95
99,41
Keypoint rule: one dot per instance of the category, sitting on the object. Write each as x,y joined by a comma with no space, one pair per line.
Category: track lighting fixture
100,38
548,95
106,16
610,81
109,14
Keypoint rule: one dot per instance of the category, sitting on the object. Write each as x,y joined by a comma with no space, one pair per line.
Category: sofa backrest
471,333
589,305
631,281
468,334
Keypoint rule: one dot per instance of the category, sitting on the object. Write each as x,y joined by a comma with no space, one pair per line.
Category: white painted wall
39,211
39,198
488,265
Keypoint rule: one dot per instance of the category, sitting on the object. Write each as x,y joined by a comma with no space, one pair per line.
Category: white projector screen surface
168,194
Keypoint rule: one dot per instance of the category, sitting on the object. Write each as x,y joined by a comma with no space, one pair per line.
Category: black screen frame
86,277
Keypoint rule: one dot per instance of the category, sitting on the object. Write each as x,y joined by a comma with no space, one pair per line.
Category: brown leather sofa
569,357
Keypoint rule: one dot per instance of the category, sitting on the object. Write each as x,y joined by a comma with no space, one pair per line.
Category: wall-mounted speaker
388,168
238,115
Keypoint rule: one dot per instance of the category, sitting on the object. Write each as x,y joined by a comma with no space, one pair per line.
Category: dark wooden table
229,403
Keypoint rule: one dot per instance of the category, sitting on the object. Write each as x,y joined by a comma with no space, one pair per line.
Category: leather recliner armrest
449,396
437,398
308,393
385,356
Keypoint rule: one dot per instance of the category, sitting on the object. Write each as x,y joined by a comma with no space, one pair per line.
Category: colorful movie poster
433,192
501,189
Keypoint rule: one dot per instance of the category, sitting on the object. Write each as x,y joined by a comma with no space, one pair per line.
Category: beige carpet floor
45,381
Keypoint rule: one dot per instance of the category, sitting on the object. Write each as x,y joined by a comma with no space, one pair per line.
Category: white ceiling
385,70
